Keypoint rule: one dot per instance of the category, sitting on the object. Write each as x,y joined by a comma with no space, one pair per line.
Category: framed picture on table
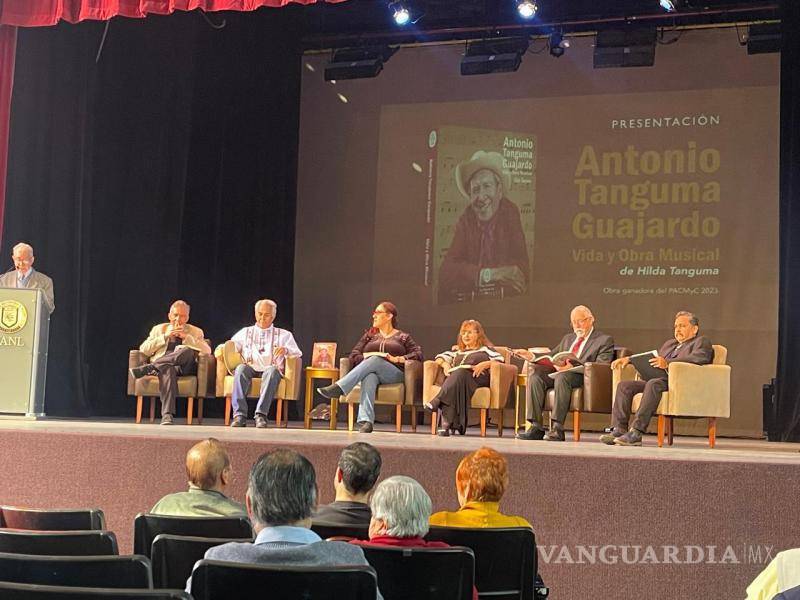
324,355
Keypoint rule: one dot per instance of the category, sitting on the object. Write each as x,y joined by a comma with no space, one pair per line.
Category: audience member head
400,507
357,471
208,465
281,490
481,476
471,335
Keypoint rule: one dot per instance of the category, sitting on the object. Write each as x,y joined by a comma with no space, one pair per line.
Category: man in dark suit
585,342
686,346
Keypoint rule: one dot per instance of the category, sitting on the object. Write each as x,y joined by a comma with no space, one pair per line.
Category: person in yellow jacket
481,481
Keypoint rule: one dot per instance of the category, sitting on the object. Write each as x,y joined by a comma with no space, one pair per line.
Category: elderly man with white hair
25,276
264,349
588,345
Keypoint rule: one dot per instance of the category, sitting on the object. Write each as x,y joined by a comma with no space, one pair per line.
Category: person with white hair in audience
208,467
401,509
281,496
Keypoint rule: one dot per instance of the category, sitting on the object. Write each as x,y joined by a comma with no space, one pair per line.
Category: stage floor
679,522
686,448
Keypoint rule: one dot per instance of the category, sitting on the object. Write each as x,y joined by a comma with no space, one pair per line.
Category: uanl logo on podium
13,317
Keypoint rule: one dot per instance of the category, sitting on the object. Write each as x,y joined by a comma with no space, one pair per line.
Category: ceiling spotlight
527,8
558,44
400,13
668,5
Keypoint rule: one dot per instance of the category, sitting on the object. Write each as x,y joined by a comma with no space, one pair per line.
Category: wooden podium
24,333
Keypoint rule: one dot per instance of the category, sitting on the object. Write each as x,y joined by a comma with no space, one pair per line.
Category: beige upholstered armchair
198,386
594,397
407,394
695,391
495,397
289,388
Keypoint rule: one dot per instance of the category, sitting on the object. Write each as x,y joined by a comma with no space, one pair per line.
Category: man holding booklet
563,371
685,346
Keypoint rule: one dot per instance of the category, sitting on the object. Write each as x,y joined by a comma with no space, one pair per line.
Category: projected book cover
481,215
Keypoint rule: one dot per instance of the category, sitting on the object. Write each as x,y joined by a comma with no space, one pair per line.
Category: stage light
357,63
667,5
493,56
527,8
558,44
400,13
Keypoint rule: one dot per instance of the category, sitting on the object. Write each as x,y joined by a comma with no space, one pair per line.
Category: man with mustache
488,254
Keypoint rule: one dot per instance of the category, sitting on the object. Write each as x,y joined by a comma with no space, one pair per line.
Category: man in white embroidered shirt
264,349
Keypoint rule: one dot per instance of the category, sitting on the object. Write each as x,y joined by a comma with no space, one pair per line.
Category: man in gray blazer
281,495
588,345
25,276
686,346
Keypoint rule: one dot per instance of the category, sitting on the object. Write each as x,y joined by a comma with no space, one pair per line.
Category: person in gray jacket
25,276
281,496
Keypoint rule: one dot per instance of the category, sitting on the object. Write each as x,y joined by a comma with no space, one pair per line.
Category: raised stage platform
679,522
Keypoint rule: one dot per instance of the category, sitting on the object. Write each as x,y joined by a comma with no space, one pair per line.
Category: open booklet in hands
557,360
641,363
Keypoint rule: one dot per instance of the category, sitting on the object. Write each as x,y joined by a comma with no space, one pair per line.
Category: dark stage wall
165,169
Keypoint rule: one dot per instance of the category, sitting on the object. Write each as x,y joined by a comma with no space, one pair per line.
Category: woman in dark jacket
378,357
466,368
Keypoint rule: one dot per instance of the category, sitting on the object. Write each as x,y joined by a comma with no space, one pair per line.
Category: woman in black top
466,368
378,357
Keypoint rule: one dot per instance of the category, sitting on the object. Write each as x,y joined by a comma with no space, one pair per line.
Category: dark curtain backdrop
166,169
788,390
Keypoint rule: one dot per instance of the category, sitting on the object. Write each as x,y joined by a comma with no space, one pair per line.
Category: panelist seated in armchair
588,345
687,347
379,357
264,349
466,368
172,348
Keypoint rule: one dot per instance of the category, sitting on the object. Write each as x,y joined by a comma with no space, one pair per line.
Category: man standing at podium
25,276
172,348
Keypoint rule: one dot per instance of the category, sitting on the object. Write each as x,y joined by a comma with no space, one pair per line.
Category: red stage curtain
32,13
8,46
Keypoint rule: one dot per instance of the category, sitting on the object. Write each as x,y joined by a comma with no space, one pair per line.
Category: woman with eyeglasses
378,358
465,368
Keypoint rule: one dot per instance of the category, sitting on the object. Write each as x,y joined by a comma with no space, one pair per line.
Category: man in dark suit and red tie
686,346
588,345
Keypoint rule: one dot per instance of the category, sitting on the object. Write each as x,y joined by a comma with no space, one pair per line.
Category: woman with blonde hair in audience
481,481
466,368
